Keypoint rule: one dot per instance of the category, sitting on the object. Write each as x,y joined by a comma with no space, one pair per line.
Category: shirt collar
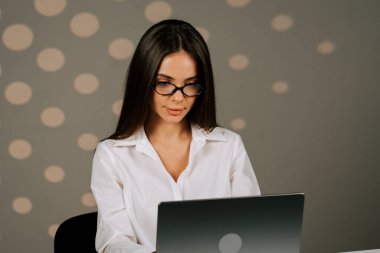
138,137
199,134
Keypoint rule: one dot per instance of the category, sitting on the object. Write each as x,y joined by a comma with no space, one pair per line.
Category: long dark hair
160,40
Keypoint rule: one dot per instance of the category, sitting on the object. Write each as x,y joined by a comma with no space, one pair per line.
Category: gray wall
299,80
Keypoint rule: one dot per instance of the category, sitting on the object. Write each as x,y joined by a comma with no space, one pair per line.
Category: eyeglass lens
165,88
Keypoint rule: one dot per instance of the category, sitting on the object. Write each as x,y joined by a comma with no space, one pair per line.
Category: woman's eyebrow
191,78
171,78
165,76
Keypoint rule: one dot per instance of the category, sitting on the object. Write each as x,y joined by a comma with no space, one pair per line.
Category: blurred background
299,80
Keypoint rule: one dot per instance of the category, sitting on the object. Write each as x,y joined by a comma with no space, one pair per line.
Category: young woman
167,145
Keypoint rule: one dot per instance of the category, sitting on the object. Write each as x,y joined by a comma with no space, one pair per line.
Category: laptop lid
266,223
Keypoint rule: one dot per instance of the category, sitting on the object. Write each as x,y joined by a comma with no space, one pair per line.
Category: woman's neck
167,131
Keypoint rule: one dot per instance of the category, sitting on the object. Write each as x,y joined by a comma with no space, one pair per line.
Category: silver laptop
267,223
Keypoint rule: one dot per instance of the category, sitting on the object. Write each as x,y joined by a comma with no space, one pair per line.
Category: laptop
266,223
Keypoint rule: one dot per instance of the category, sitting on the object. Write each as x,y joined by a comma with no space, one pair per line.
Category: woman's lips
174,111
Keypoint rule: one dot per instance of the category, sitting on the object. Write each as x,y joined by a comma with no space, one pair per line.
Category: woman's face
177,68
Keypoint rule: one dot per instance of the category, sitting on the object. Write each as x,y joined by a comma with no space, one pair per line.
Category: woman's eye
163,83
192,84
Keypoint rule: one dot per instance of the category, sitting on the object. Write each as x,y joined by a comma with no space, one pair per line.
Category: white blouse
129,181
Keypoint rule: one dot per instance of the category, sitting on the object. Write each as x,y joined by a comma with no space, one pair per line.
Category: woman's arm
114,230
242,177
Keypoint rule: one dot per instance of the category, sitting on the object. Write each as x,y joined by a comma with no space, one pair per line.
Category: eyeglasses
168,89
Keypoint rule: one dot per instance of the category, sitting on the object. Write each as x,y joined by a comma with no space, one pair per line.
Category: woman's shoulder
115,143
104,148
221,134
229,134
106,144
111,148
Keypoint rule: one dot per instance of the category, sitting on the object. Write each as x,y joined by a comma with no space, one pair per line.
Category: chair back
76,234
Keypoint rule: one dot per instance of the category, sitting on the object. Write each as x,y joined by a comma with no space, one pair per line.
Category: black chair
76,234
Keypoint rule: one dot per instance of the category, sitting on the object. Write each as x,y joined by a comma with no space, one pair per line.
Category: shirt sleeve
242,177
114,229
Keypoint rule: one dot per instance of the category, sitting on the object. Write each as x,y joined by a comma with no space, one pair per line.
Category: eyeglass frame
179,88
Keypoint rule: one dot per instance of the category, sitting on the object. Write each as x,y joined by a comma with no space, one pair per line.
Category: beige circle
238,124
121,49
280,87
18,93
326,47
50,7
204,32
237,3
51,59
239,62
20,149
88,141
17,37
84,24
157,11
282,22
53,229
116,107
86,83
88,199
52,117
54,174
22,205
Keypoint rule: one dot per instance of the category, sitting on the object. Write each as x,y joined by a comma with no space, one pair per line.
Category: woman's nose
177,96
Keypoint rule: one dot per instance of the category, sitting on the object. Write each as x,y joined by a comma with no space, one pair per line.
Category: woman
167,145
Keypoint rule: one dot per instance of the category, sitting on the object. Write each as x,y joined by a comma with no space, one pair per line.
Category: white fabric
129,181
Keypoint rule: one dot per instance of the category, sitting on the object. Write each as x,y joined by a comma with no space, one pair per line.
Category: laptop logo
230,243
